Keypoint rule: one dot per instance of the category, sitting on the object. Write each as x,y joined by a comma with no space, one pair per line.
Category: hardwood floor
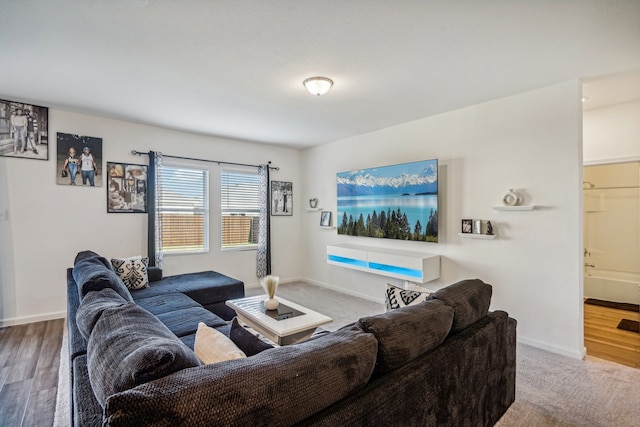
603,339
29,362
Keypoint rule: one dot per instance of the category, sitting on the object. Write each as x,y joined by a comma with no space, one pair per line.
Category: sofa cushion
130,346
185,321
212,346
132,271
396,297
249,343
190,340
279,387
166,303
407,332
93,273
470,300
92,306
205,287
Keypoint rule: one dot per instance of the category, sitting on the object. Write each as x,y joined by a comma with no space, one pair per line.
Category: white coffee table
288,324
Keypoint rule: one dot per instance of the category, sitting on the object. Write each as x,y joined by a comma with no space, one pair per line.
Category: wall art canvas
126,188
79,160
281,198
24,130
392,202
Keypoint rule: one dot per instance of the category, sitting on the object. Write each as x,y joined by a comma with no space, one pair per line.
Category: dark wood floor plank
11,343
13,402
41,408
24,363
50,350
29,363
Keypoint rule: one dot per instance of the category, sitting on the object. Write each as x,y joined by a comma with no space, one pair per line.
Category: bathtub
612,285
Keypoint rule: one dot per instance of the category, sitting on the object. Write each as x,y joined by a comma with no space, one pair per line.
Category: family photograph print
79,160
24,130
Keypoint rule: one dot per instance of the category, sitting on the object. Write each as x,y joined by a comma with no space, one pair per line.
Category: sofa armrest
154,273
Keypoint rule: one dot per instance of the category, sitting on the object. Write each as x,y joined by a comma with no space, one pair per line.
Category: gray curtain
154,232
263,258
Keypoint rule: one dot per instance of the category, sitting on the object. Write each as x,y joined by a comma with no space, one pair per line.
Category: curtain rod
140,153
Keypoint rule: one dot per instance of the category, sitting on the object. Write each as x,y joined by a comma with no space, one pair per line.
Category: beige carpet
551,390
62,416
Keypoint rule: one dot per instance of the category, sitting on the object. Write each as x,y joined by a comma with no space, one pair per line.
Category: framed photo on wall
281,198
78,160
325,219
126,188
24,130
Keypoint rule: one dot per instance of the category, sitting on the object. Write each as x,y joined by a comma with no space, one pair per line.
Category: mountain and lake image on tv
390,202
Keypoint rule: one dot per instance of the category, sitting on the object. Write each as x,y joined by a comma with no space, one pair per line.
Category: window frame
254,213
205,210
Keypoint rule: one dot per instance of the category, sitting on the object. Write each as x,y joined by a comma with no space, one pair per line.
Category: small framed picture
281,198
467,226
126,188
325,219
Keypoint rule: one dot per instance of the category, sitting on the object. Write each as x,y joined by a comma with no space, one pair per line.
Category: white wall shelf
406,265
312,209
514,208
477,236
328,227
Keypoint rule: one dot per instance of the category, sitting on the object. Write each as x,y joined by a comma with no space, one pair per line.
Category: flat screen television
390,202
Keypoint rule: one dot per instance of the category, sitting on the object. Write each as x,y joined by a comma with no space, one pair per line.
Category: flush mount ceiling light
318,85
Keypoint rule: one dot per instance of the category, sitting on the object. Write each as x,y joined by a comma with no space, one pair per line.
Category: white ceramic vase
512,198
271,303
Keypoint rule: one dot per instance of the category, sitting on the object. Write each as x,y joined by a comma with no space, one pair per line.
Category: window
184,209
240,209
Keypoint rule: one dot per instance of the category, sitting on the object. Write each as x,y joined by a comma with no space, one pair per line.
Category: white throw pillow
132,271
396,297
212,346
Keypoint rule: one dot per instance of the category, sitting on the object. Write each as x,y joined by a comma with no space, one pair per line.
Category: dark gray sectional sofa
445,361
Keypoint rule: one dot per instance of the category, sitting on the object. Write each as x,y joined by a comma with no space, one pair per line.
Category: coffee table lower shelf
289,324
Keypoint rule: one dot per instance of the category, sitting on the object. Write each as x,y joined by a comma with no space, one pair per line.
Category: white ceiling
235,68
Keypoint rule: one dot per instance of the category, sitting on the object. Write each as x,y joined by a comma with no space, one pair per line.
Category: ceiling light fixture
318,85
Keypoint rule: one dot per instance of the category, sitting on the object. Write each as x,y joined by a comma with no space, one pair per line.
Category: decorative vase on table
270,284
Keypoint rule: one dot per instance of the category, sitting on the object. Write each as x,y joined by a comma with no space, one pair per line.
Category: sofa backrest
470,300
407,332
279,386
93,273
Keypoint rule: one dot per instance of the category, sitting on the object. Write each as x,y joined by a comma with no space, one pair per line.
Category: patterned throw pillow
396,297
132,271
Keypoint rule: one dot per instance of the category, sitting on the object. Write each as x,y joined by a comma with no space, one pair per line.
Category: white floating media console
407,265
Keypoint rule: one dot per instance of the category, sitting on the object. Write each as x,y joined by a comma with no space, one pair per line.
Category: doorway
612,261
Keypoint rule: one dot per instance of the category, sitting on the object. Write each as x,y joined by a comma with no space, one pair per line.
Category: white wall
612,134
48,224
530,141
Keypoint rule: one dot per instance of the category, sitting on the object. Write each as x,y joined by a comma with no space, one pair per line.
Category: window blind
240,209
184,209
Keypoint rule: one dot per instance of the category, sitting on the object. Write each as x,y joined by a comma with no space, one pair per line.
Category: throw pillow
245,340
92,306
407,333
132,271
213,346
129,346
396,297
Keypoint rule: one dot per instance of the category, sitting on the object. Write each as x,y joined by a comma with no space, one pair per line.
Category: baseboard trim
580,354
342,290
13,321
